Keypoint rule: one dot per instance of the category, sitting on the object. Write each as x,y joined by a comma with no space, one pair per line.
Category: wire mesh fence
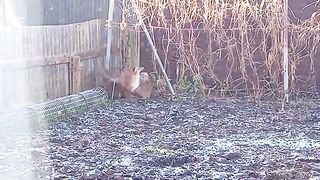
61,108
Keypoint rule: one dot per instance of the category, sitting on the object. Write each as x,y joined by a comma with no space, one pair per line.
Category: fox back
145,88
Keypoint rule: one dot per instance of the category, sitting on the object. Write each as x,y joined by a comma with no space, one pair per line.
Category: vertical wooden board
86,36
92,70
77,38
81,28
90,35
7,92
45,40
40,87
11,90
49,76
16,43
49,42
8,55
65,80
2,42
56,84
5,52
30,73
55,42
63,45
94,35
26,43
31,39
25,86
102,34
60,46
35,41
72,37
87,75
29,43
53,77
36,84
2,89
56,45
42,41
84,75
67,39
58,81
22,86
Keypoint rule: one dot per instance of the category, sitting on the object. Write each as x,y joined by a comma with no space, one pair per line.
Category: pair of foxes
129,83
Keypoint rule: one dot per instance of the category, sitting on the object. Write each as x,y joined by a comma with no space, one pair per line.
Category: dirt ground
187,138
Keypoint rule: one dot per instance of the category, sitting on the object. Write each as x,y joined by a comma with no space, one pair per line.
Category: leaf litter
187,138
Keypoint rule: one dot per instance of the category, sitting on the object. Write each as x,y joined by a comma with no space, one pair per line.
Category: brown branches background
233,45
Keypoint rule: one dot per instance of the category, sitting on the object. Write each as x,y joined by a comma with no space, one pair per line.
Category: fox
124,84
146,87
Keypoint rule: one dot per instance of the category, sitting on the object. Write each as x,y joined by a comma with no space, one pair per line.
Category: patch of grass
157,151
108,103
186,85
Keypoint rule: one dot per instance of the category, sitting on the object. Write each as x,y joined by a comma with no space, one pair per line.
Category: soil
187,138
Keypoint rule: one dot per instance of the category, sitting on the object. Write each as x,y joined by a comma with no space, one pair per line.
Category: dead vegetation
236,45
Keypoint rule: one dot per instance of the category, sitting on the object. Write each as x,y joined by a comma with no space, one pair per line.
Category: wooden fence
38,63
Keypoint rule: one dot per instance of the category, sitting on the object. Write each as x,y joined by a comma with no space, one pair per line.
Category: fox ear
134,69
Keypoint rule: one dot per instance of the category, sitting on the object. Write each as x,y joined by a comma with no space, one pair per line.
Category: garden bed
187,138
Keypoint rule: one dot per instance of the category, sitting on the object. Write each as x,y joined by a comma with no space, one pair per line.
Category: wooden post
109,36
129,38
285,53
75,67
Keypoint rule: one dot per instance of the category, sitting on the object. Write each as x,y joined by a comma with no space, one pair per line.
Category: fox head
144,77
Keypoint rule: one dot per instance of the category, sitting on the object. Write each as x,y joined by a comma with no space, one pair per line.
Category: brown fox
145,88
125,84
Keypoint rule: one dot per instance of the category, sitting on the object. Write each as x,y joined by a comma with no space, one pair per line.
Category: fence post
109,34
285,53
75,67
